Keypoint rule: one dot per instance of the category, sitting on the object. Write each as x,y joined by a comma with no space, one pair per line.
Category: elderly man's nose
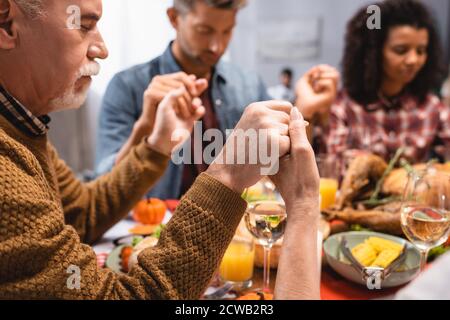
98,51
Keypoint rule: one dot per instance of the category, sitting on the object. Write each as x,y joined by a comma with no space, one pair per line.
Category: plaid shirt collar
403,101
21,117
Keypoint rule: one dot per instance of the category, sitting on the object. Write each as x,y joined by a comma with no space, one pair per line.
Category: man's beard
69,100
72,98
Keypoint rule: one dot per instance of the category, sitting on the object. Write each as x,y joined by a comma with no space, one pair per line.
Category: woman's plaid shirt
385,126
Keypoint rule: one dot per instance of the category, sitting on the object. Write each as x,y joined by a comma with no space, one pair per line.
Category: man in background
283,91
193,60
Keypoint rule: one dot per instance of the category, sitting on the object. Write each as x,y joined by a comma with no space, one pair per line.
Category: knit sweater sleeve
43,258
95,207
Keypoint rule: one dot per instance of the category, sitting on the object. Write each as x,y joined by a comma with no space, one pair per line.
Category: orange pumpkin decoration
151,211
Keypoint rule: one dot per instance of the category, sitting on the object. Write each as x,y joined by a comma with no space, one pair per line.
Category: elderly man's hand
161,86
270,121
317,90
172,129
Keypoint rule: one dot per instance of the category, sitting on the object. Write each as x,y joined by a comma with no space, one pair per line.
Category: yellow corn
380,245
385,258
364,253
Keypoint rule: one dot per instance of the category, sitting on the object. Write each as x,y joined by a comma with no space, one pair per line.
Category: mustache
90,69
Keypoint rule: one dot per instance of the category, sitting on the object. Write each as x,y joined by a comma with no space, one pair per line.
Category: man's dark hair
185,6
287,72
363,57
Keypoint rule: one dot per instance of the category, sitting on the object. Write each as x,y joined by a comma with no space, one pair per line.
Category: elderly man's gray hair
33,8
185,6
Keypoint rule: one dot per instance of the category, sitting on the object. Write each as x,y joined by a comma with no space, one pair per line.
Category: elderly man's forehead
90,7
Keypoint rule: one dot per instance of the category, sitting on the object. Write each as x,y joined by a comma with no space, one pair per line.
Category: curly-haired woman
389,76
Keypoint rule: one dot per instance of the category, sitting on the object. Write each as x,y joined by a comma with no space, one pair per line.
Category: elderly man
47,216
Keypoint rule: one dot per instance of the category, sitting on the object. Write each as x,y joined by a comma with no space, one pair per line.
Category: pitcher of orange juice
238,262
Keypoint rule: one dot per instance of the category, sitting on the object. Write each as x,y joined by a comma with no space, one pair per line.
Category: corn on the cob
385,258
364,253
380,244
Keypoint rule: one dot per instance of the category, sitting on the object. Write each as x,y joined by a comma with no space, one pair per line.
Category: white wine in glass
266,221
427,227
425,213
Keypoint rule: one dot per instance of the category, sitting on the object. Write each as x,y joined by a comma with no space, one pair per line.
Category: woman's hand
298,276
298,178
317,90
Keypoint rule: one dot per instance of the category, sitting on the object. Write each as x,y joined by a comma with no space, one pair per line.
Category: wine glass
266,221
425,212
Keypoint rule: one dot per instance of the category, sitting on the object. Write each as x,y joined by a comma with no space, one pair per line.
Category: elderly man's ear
8,34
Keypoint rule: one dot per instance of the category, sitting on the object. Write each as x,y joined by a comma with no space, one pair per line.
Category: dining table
332,285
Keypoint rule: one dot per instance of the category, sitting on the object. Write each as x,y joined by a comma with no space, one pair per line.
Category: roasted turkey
359,184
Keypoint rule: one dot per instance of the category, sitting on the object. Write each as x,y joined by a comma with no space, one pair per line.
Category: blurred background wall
308,32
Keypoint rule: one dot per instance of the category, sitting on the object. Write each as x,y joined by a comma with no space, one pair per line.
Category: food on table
439,251
385,218
364,253
380,244
125,256
159,229
368,175
361,176
143,229
150,212
385,258
395,182
129,253
377,252
148,242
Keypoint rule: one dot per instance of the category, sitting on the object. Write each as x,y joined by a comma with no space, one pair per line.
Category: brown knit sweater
46,216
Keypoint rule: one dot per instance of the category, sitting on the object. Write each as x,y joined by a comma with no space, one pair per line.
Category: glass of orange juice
329,184
238,262
328,191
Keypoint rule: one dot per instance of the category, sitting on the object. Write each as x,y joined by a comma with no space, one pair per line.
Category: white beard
69,100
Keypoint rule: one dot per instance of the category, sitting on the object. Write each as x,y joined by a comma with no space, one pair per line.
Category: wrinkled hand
160,87
172,129
298,178
272,116
317,90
